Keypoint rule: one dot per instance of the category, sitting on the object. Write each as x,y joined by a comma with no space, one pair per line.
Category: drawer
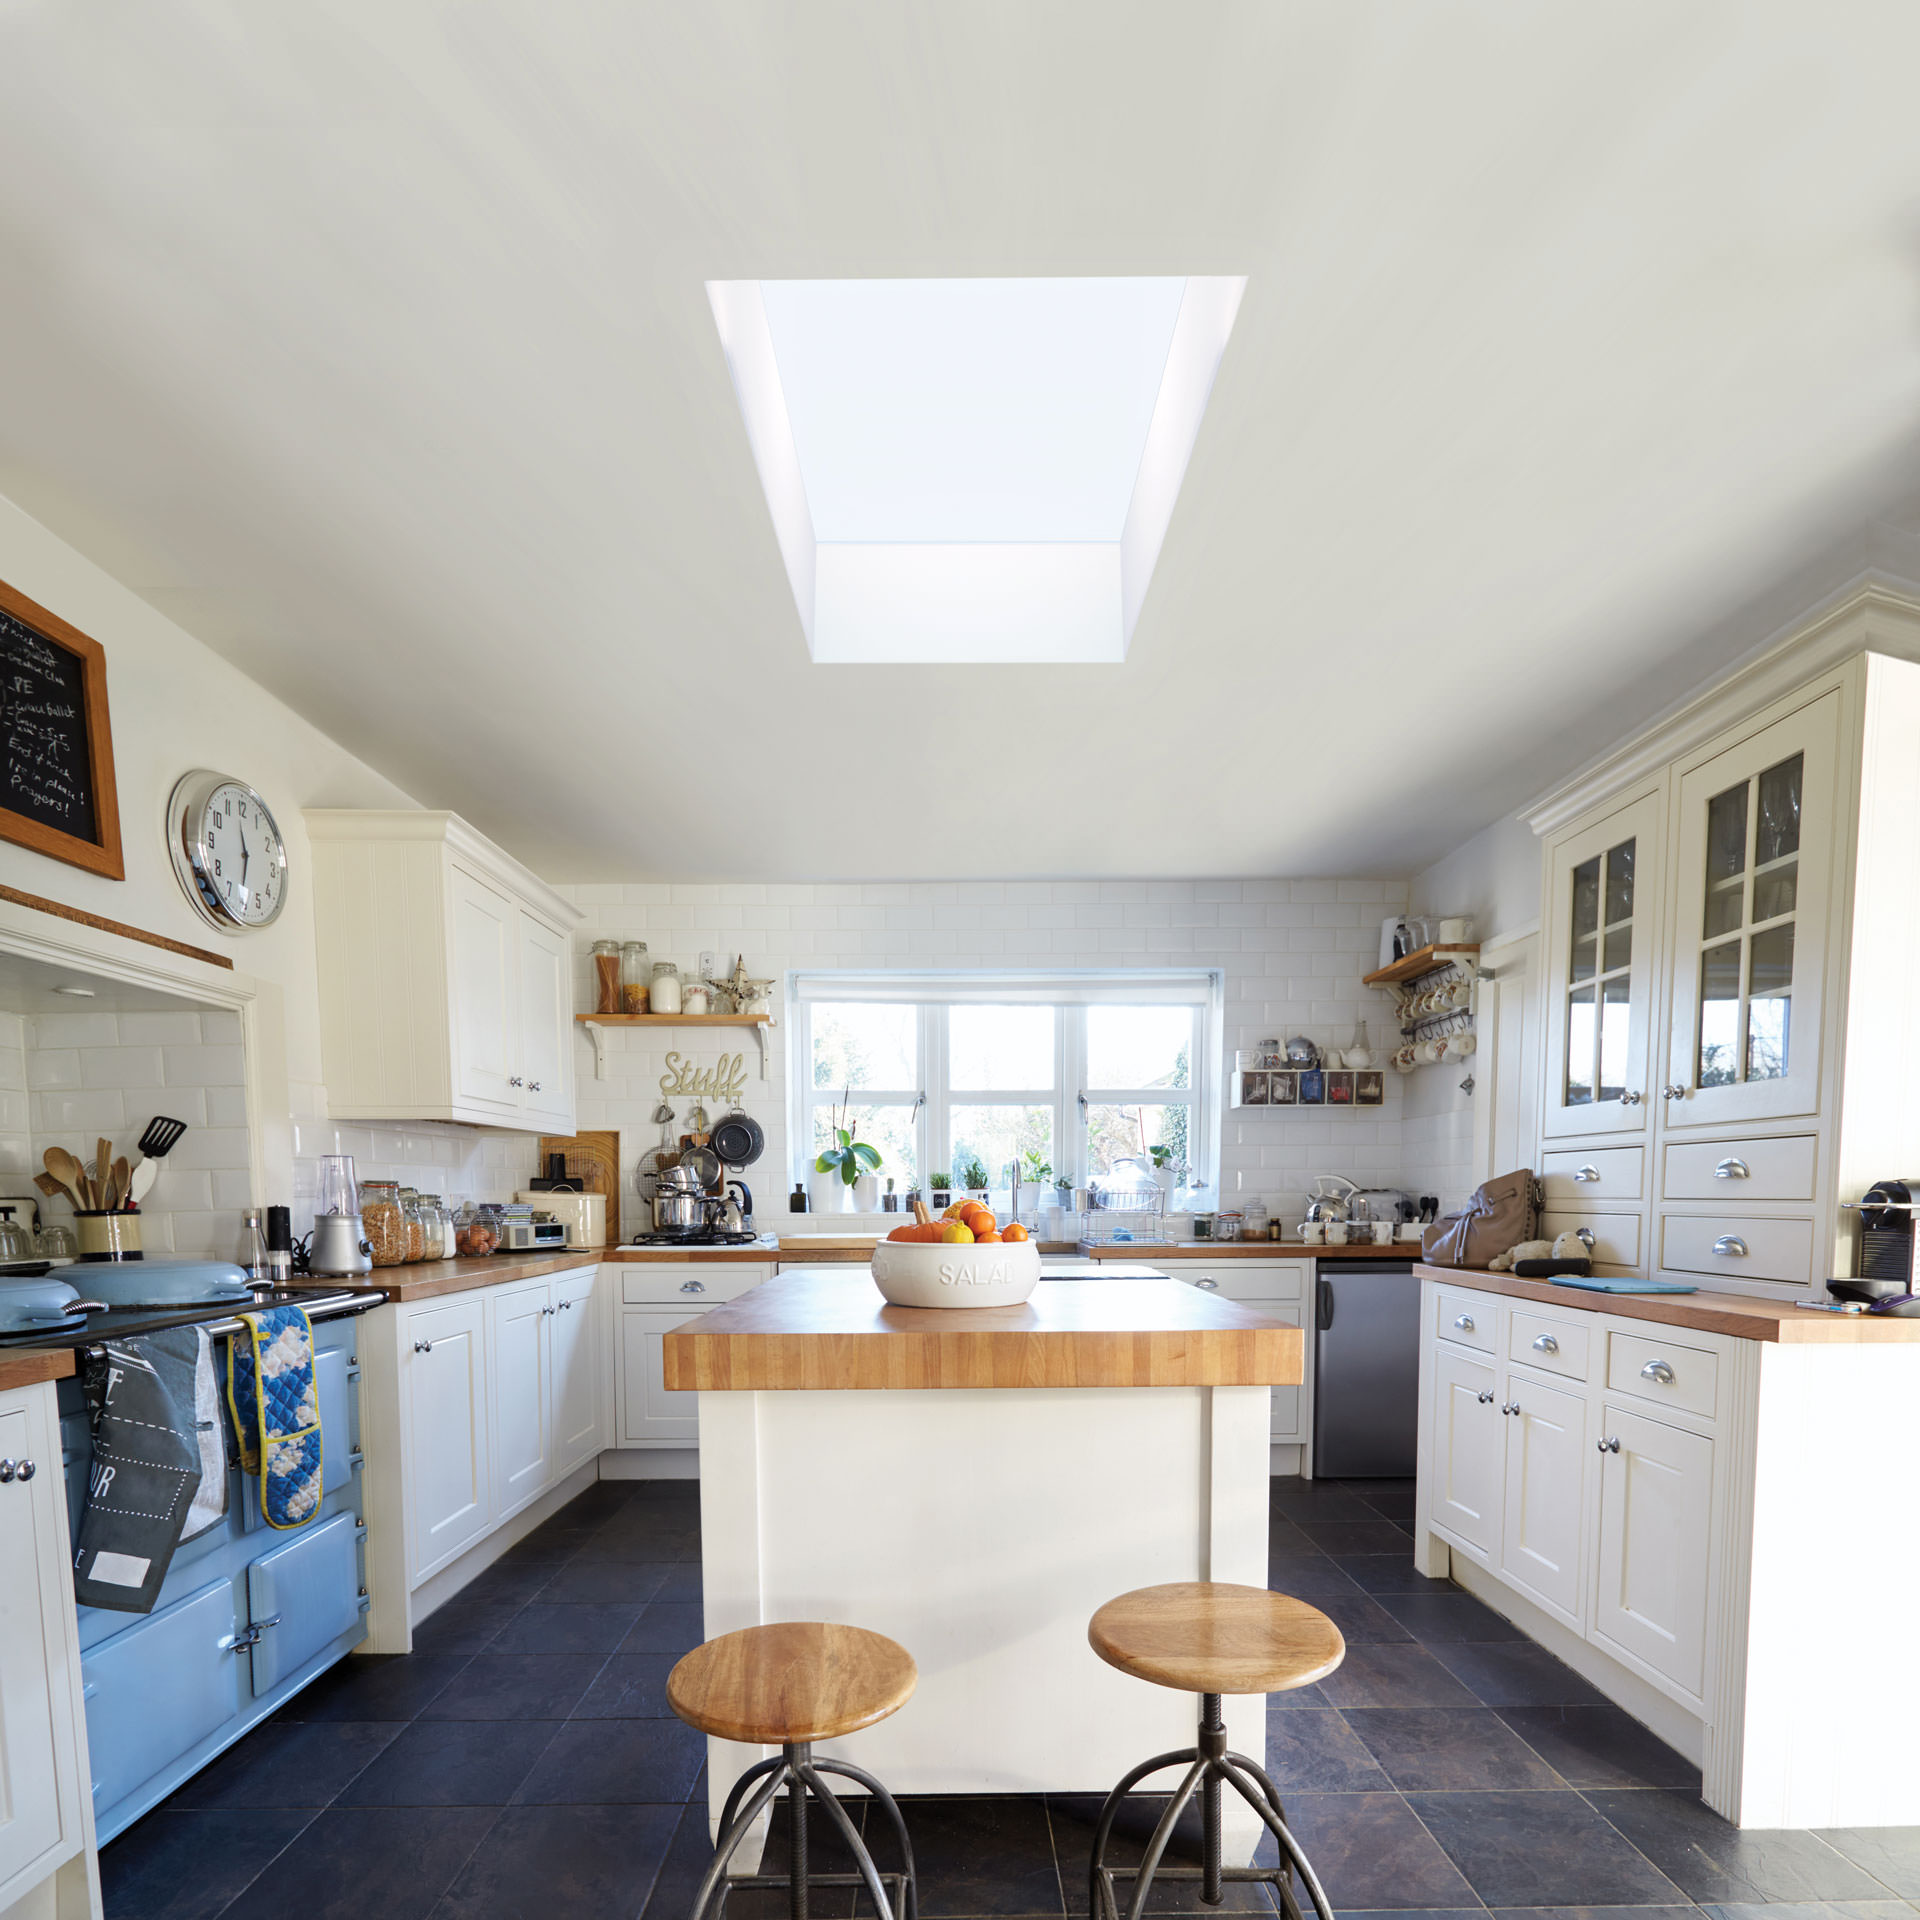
1740,1170
1737,1246
1663,1372
1246,1279
687,1283
1560,1346
1576,1181
1467,1319
1616,1236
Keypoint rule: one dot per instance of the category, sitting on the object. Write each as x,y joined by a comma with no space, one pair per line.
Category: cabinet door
1656,1500
522,1386
30,1822
443,1361
546,1025
649,1414
1289,1403
578,1426
1541,1523
1602,970
1757,831
486,1007
1468,1439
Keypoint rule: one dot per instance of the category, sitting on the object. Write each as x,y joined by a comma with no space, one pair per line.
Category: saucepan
679,1212
31,1305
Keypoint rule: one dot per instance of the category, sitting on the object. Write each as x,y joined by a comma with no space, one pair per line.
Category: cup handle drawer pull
1586,1176
1211,1286
1659,1371
1464,1322
1546,1343
1732,1170
693,1286
1732,1245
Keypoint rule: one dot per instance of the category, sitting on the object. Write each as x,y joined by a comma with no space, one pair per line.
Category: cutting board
594,1160
829,1242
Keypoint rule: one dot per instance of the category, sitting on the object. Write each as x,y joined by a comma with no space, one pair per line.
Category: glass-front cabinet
1755,861
1604,925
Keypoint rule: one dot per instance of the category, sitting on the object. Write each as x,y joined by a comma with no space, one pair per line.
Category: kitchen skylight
972,470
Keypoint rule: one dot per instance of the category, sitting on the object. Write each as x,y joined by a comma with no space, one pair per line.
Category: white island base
981,1528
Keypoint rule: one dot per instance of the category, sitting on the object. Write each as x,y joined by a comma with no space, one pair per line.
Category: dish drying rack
1130,1216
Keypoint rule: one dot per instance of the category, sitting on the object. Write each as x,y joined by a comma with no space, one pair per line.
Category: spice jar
606,976
382,1222
475,1233
664,988
636,976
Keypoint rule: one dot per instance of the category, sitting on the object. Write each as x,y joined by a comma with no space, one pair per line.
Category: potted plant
942,1195
973,1177
837,1169
1166,1170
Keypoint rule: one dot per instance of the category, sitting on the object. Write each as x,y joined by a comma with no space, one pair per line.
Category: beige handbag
1502,1213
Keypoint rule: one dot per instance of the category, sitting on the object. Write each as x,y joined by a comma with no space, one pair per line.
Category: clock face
227,851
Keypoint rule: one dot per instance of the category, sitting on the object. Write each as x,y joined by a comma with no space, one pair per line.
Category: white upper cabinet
1603,957
445,969
1756,831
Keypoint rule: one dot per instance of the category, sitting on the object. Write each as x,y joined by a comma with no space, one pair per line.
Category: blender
340,1244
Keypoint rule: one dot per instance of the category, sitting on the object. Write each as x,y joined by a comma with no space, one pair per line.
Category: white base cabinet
1282,1289
655,1297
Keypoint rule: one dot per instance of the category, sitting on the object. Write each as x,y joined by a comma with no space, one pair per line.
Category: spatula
144,1175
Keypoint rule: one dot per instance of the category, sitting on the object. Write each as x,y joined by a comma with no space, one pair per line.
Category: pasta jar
416,1225
383,1222
433,1221
606,976
664,988
636,976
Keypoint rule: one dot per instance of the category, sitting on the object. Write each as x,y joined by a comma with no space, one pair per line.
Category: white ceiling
372,344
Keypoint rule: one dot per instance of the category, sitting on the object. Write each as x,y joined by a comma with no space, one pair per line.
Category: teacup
1383,1233
1428,1053
1313,1233
1462,1044
1336,1233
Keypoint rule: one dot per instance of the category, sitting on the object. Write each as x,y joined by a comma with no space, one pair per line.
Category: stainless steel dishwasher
1366,1370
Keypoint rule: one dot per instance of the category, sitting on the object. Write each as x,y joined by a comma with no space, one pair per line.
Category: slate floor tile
463,1625
1390,1499
1306,1575
1299,1700
1319,1752
1449,1749
1303,1500
1813,1910
1601,1745
1075,1818
375,1686
451,1763
1711,1860
616,1763
1361,1619
562,1863
585,1581
682,1586
688,1855
1541,1850
1394,1676
395,1862
189,1865
1448,1616
1371,1851
515,1686
596,1627
1390,1573
827,1852
666,1627
1598,1913
1514,1673
1371,1535
630,1686
1890,1854
288,1763
983,1854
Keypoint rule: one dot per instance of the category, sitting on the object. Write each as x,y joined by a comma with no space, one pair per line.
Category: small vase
827,1190
866,1193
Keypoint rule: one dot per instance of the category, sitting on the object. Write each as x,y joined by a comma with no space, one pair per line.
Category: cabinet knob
549,1311
7,1471
1464,1322
1732,1170
515,1081
1485,1399
1630,1099
1512,1406
533,1086
1212,1286
1586,1176
1657,1370
693,1286
1674,1092
423,1346
27,1469
1609,1445
1546,1343
1732,1245
566,1306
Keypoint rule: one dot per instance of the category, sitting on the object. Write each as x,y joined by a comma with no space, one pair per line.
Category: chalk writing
43,732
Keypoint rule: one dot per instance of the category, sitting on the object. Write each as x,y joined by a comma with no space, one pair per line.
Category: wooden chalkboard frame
103,856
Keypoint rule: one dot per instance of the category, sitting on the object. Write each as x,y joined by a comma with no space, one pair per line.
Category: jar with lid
636,976
415,1225
1226,1226
475,1233
433,1223
606,976
383,1222
1253,1220
696,999
664,988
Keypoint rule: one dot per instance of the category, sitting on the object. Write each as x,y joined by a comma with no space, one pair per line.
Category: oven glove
276,1412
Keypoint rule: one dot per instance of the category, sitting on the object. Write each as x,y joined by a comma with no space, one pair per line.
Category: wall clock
227,851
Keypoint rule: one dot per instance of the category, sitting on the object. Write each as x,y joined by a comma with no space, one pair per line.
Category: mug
1461,1045
1313,1233
1453,933
1410,1230
1336,1233
1383,1233
1428,1052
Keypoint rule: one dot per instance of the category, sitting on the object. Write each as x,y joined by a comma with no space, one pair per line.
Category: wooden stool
1210,1639
790,1685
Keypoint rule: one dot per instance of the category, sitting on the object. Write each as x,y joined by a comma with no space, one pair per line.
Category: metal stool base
1209,1765
895,1896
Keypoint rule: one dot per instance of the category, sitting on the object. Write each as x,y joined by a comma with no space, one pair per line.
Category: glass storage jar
664,988
416,1226
475,1233
636,976
383,1222
1253,1220
606,976
434,1228
1226,1226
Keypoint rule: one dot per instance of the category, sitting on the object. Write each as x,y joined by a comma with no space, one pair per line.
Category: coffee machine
1885,1262
340,1244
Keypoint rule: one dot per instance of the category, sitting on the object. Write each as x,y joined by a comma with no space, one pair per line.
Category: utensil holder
108,1236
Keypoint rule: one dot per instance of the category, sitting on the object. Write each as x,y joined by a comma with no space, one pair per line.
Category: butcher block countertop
820,1328
29,1366
428,1279
1738,1314
1241,1250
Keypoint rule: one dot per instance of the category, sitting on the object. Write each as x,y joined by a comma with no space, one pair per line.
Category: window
1072,1073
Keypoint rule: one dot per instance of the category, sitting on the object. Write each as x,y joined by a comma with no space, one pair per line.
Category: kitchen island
974,1484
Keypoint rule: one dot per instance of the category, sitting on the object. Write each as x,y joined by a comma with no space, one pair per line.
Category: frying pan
739,1139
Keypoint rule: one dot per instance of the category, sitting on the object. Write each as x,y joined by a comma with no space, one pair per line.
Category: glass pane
1586,897
866,1046
1779,828
1139,1046
1726,859
1116,1133
1719,1062
1580,1047
891,1129
1775,891
1583,959
1619,948
1620,882
996,1136
1615,1014
1770,1007
993,1048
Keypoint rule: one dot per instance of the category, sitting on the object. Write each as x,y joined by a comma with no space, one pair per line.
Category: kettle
1329,1197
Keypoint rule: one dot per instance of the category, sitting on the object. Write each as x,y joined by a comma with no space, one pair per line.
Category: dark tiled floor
522,1765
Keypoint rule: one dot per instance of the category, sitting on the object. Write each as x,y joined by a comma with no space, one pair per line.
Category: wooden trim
673,1019
103,858
61,911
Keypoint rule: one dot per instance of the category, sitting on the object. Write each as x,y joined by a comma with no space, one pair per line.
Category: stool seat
791,1683
1210,1637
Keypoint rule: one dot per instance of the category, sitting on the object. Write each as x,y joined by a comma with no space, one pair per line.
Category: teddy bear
1526,1250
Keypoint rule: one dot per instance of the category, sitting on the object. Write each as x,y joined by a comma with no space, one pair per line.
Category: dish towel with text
276,1412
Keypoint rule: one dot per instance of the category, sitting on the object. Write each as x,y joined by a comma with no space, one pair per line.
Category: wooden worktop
1738,1314
815,1328
29,1366
428,1279
829,1250
1241,1250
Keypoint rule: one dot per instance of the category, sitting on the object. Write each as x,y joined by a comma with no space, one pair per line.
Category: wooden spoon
54,1189
102,1163
70,1173
117,1186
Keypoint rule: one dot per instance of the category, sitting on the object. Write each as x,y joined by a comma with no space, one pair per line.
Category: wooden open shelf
674,1019
1427,960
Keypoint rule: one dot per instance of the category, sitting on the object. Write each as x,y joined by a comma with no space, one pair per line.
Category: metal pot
30,1304
679,1212
676,1179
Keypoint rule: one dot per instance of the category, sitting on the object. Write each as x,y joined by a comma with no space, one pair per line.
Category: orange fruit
959,1209
989,1239
1014,1231
981,1221
956,1233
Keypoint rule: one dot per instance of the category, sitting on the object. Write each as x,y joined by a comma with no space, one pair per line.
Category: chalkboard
56,748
